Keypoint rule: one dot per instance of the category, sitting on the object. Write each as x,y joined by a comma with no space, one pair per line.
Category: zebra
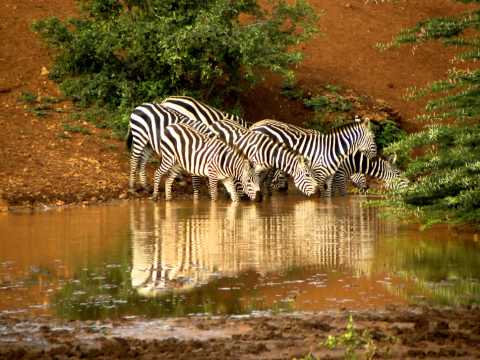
325,151
146,128
357,166
261,150
199,111
266,154
185,149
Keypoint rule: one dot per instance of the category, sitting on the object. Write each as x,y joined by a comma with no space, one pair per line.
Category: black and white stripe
185,149
197,110
266,154
261,150
358,165
147,126
325,151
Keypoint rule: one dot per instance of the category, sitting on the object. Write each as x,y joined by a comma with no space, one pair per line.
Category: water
182,257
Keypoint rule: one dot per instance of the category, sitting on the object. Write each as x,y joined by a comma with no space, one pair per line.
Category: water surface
184,257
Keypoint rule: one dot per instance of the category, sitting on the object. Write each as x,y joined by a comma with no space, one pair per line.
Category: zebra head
360,182
366,142
279,181
250,181
303,177
392,176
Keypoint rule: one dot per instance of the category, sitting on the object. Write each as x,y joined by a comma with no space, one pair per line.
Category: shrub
447,165
119,54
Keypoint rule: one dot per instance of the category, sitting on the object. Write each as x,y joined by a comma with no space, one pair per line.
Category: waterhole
180,258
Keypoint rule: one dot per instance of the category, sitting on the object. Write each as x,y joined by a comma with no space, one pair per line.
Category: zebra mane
340,128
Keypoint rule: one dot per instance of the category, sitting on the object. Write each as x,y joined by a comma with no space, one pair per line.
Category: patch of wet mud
398,333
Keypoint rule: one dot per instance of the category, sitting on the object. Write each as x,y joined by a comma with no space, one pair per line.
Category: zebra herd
191,137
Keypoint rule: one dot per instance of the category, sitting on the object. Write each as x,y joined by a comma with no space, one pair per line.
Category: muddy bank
397,333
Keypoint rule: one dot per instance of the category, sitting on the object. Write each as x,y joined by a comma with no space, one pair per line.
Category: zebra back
326,151
200,111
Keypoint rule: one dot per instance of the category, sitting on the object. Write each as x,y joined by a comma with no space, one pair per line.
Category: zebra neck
379,171
338,146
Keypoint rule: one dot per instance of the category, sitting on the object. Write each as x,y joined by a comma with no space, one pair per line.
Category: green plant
76,129
446,165
27,97
352,340
291,90
119,54
387,132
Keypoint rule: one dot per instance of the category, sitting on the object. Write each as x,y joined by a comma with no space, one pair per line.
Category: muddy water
185,257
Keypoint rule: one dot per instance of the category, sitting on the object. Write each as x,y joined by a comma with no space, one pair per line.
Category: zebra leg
230,186
163,169
212,184
142,166
341,187
265,181
326,189
174,172
134,158
196,186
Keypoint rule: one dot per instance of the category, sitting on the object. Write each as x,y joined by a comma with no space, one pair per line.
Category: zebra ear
392,159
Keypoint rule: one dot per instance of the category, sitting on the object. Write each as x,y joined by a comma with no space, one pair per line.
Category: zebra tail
129,139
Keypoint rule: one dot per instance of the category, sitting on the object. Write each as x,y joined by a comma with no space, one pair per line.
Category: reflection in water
175,247
184,257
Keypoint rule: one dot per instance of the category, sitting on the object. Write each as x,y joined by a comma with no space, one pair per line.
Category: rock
44,71
123,196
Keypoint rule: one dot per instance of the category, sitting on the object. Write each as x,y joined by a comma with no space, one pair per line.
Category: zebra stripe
325,151
185,149
359,164
279,181
199,111
261,151
266,154
147,126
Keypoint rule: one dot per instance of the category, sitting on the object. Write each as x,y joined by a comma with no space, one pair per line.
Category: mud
394,333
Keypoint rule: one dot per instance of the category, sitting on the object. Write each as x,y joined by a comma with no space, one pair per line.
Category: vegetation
446,164
352,341
331,109
118,54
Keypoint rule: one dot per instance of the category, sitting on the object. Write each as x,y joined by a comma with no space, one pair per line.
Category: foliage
447,162
332,110
387,132
27,97
119,54
39,106
352,340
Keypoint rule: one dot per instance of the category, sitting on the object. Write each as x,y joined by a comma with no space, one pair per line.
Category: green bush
446,165
119,54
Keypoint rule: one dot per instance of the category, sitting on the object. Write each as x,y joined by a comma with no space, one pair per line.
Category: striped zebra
325,151
197,110
357,166
146,128
261,150
183,148
265,154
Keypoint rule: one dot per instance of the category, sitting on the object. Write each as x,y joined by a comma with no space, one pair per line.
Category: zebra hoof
154,197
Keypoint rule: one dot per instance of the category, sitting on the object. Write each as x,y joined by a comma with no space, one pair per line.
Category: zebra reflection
177,246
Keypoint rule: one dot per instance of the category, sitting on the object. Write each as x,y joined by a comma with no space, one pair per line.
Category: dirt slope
45,161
